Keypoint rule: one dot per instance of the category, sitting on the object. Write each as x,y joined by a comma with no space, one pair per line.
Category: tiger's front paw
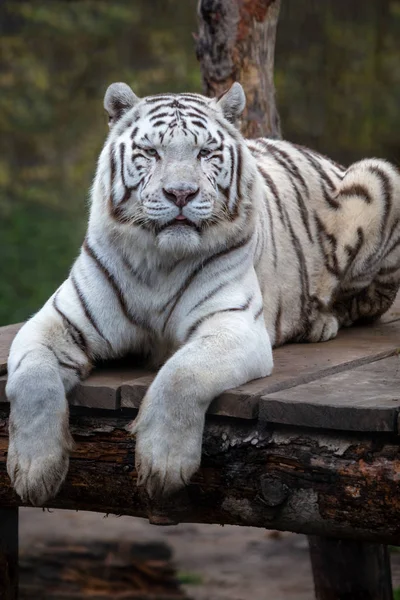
166,456
37,466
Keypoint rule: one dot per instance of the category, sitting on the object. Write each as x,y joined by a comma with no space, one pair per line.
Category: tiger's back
333,236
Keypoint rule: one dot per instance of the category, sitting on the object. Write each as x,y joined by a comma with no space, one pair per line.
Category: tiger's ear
232,102
118,99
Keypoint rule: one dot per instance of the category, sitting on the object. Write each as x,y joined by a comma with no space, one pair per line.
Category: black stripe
259,313
272,231
316,165
73,366
278,324
319,155
178,295
355,190
76,334
86,309
329,199
387,193
304,280
160,116
202,320
23,358
352,252
118,292
161,98
292,171
233,166
199,124
274,190
286,162
330,257
238,179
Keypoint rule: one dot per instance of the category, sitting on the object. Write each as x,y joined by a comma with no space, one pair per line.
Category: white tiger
203,251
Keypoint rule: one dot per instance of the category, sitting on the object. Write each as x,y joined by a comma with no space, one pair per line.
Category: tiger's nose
181,193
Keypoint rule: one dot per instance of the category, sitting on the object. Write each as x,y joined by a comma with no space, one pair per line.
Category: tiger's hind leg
361,244
369,304
323,328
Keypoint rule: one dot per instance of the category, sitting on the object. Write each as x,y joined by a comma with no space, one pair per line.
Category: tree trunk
236,42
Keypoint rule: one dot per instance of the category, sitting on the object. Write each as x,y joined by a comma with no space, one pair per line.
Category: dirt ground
220,563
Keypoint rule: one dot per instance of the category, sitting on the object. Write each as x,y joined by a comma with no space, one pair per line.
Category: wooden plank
349,569
102,388
295,364
363,399
133,392
7,334
9,553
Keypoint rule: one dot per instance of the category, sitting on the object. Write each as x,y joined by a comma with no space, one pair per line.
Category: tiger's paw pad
324,328
36,477
165,461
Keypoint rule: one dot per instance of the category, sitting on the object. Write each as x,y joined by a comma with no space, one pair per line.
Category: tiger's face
175,164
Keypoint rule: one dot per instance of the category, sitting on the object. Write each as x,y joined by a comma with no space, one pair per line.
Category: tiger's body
203,251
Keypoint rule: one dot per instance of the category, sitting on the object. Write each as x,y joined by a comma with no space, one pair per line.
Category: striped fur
203,251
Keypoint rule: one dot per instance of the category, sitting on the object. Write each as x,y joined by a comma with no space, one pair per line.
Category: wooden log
347,569
253,474
236,42
9,553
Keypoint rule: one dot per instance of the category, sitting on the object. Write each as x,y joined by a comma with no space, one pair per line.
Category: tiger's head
176,167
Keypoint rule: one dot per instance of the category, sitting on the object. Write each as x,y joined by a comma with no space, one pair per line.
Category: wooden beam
253,474
9,553
348,569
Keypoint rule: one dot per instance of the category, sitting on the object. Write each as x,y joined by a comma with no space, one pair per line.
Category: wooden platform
351,383
314,448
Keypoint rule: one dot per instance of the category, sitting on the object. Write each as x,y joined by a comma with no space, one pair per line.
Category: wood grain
363,399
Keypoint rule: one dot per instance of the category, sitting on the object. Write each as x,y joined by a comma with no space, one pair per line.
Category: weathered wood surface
236,42
295,366
97,571
8,553
252,474
363,399
7,334
350,570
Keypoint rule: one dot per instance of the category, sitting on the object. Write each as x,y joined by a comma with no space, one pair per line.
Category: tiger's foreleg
48,357
227,350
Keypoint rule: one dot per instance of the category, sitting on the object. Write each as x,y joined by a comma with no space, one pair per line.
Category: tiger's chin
179,240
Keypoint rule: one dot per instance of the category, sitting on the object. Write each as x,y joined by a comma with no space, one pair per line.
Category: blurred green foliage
337,78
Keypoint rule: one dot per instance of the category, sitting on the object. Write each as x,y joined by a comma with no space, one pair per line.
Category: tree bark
253,474
236,42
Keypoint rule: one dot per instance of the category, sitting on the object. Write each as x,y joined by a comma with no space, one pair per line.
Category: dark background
337,80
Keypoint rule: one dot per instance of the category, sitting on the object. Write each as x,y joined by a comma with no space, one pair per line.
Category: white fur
192,297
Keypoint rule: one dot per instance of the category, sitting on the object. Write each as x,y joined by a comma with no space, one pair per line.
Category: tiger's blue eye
151,151
204,152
